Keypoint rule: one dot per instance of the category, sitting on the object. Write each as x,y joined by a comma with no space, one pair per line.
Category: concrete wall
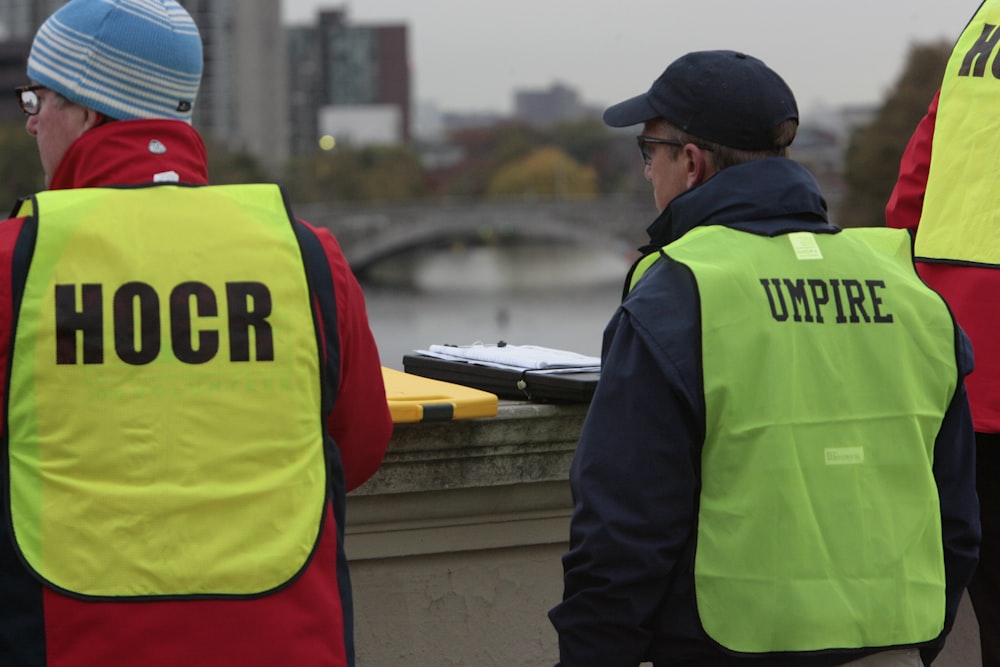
456,544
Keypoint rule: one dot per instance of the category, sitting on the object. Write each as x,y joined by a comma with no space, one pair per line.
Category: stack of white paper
519,357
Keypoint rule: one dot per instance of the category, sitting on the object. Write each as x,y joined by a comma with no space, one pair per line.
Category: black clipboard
512,384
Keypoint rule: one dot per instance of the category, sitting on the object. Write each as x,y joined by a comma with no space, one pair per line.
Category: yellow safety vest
820,508
960,222
164,429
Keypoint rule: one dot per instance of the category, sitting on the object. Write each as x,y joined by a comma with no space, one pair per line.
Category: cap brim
630,112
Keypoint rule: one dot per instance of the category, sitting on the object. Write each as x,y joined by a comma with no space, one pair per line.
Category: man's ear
696,165
92,119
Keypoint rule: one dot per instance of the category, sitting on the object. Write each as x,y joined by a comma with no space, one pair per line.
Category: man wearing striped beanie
190,382
110,61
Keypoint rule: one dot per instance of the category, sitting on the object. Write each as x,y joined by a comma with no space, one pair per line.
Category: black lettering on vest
809,296
783,315
88,320
820,295
147,347
835,284
877,301
856,300
181,332
249,307
138,331
797,293
977,57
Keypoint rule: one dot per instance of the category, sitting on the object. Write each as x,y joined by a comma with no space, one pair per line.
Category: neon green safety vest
164,428
960,220
819,525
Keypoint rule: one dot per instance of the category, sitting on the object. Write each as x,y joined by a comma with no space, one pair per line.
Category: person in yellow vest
777,465
190,382
945,195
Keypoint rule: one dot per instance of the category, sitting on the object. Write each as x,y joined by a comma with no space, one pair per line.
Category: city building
545,108
243,102
19,19
13,56
350,83
304,98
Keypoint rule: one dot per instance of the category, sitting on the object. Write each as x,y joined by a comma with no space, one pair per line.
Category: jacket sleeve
10,229
360,422
634,480
907,199
955,475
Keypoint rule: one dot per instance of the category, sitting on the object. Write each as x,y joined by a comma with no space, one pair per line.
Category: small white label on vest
843,456
805,246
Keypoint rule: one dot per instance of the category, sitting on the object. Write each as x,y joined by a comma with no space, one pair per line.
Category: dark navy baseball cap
725,97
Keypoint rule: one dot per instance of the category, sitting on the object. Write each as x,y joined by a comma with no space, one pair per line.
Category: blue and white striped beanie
124,58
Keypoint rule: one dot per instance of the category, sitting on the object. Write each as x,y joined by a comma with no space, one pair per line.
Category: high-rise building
19,19
305,97
545,108
350,80
13,59
243,102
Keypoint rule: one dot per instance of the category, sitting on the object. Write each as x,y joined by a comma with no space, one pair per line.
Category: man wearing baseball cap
777,467
191,384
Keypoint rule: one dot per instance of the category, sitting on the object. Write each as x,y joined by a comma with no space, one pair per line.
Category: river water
555,296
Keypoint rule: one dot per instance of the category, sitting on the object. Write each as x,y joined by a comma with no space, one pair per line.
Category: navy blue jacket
629,573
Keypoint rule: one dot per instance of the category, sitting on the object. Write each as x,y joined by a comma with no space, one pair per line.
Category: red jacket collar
133,152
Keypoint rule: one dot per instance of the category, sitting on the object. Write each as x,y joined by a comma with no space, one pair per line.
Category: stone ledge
525,442
469,485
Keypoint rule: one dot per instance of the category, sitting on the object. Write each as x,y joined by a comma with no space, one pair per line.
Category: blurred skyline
471,56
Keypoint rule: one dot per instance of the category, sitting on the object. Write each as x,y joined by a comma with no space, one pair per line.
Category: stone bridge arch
370,234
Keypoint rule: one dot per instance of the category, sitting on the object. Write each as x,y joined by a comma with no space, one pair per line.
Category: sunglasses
644,141
28,100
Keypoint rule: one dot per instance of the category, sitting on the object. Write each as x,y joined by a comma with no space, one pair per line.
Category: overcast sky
470,55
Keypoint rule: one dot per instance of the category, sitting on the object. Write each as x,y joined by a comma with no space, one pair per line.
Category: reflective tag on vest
164,430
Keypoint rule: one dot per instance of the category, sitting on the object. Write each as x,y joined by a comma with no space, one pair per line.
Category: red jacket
971,292
308,622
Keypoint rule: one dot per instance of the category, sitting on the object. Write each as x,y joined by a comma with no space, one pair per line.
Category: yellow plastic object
413,398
